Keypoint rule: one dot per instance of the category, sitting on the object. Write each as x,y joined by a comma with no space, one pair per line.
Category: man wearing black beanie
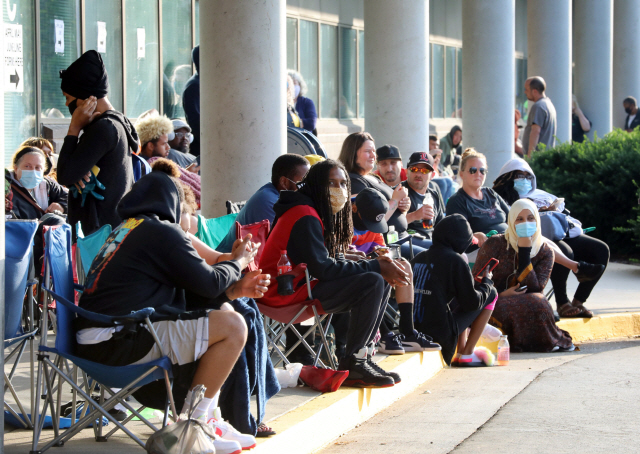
103,151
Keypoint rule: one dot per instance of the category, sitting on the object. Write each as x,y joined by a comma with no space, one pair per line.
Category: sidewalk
297,413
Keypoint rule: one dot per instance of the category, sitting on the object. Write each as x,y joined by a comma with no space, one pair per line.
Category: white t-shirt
631,118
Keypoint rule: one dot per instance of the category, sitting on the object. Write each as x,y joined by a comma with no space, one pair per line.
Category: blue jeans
446,187
419,245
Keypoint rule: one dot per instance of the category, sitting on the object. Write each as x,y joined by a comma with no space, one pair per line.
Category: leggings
581,248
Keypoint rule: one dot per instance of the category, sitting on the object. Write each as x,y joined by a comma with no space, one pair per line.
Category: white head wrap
511,236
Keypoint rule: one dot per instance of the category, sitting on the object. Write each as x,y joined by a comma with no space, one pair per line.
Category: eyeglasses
473,170
526,176
419,169
180,135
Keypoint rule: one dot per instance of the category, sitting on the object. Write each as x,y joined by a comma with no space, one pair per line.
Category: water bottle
503,351
428,201
392,235
284,265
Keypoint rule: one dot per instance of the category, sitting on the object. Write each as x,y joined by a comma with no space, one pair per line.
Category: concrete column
593,58
488,90
396,88
626,56
242,97
549,55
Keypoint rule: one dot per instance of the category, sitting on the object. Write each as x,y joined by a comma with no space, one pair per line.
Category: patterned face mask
338,199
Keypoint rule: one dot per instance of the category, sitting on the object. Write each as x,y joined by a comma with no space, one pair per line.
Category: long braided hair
338,228
504,187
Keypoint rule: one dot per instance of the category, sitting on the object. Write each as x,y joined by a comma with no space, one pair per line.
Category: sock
214,411
185,406
202,409
406,318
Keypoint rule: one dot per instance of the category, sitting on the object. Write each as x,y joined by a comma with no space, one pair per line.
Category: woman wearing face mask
304,106
517,181
293,119
522,312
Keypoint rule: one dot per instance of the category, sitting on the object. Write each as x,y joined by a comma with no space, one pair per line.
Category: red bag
259,232
323,380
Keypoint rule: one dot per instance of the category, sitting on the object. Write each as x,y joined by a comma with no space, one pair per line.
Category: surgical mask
526,229
296,90
628,110
73,105
31,178
338,199
522,186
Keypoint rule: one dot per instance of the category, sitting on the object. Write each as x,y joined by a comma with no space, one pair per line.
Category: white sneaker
222,445
228,432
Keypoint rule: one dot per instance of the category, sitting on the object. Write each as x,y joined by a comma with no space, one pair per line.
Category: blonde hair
151,127
297,77
38,142
470,153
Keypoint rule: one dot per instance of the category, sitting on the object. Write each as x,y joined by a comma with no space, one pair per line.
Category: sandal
568,310
264,430
584,312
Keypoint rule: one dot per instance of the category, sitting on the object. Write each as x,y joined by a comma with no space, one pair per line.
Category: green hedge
599,182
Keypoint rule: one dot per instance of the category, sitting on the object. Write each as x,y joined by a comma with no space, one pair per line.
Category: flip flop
584,312
568,310
264,430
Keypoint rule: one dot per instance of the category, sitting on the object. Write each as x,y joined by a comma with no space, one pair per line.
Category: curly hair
151,127
338,228
166,166
349,152
297,77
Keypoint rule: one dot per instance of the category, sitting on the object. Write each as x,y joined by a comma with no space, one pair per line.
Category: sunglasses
473,170
418,169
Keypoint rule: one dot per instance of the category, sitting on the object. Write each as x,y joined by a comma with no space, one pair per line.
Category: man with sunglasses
180,143
422,217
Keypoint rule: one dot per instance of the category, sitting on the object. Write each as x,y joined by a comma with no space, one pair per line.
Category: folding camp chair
88,248
19,309
127,378
212,231
235,207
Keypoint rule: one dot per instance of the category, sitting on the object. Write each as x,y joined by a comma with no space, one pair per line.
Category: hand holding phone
487,269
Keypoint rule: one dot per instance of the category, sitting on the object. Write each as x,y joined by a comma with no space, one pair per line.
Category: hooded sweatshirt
107,143
148,261
191,102
540,198
441,274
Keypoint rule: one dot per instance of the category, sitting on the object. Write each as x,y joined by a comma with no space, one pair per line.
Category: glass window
176,54
328,71
197,20
521,76
20,100
450,101
361,74
292,43
460,80
348,73
101,17
59,46
309,57
437,81
141,41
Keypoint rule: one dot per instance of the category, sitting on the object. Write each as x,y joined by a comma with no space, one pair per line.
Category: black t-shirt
490,213
360,182
577,133
417,200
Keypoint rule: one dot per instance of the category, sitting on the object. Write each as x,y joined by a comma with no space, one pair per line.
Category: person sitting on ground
522,311
287,172
515,181
153,131
447,299
180,142
106,143
131,272
451,146
485,211
314,226
389,163
358,157
368,226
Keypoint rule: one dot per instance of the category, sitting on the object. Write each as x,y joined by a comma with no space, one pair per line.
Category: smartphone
521,288
492,263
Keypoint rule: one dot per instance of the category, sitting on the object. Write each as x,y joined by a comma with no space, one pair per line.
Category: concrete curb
602,327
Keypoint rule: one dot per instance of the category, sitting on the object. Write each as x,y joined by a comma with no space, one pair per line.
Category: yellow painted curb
602,327
315,424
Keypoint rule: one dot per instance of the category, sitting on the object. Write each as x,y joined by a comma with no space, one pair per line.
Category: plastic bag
288,378
185,436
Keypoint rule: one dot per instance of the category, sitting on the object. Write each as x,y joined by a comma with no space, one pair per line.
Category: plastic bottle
392,235
284,265
428,201
503,351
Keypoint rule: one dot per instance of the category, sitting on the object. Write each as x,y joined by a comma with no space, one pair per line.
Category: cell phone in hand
491,264
522,288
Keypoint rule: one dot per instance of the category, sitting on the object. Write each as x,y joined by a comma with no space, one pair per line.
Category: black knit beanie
85,77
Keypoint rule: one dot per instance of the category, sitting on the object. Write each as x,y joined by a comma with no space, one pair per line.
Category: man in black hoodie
191,102
106,143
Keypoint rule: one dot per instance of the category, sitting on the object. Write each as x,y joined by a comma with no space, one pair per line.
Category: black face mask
73,105
628,110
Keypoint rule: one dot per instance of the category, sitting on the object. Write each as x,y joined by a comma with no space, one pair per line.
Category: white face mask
338,199
296,90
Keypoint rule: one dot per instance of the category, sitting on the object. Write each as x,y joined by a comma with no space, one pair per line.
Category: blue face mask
31,178
522,186
526,229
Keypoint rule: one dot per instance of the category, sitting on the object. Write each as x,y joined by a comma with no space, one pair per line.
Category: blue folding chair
88,248
127,378
18,323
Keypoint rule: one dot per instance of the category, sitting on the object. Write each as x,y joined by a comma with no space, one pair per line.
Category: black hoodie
441,274
148,260
107,143
191,102
306,243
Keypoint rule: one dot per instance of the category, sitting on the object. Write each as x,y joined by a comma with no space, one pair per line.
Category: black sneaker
361,375
303,357
588,271
419,342
381,371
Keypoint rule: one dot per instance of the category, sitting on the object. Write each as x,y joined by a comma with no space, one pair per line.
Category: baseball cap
372,207
388,152
177,124
421,157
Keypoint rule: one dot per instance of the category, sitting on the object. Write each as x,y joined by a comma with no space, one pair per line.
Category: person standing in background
631,108
580,124
541,123
191,102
